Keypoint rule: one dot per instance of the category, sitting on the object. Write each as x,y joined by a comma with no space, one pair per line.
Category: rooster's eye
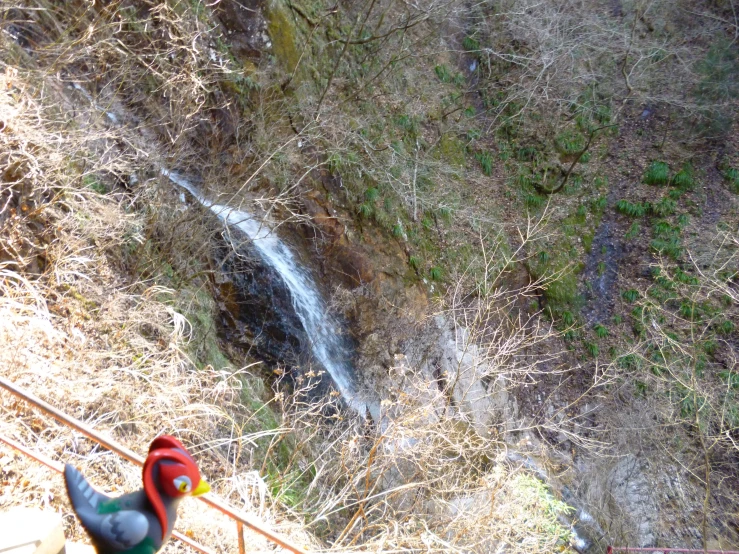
183,484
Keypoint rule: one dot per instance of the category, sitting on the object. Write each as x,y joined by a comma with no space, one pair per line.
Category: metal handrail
131,456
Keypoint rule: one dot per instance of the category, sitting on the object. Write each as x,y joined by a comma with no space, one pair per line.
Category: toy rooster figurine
139,522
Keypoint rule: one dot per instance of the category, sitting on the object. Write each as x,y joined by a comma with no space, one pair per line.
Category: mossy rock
283,32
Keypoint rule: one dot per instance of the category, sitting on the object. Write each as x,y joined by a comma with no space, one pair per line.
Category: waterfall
322,330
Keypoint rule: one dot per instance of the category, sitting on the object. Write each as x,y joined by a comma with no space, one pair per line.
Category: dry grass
78,326
91,322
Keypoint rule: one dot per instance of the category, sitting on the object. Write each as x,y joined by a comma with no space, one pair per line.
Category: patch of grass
371,194
486,161
630,208
599,204
435,273
601,331
689,310
658,173
667,240
470,44
726,327
407,123
570,142
732,177
414,262
91,182
567,318
666,206
685,278
592,349
683,179
631,295
445,213
443,73
526,153
534,201
633,231
365,209
629,362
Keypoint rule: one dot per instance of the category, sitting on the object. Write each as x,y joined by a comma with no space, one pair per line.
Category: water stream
323,331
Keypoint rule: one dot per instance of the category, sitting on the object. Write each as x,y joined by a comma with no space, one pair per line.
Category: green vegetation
732,177
631,209
667,240
657,173
486,162
666,206
684,179
364,132
631,295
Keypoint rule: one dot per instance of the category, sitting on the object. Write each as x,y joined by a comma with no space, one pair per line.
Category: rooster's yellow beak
202,488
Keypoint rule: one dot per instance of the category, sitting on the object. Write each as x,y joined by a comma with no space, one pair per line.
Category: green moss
283,32
451,150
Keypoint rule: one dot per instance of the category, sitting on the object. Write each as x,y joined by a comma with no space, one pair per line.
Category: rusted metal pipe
133,457
59,468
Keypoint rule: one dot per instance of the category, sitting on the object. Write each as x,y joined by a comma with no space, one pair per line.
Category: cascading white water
322,330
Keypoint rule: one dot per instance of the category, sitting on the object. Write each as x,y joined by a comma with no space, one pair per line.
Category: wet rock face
245,26
256,307
632,491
